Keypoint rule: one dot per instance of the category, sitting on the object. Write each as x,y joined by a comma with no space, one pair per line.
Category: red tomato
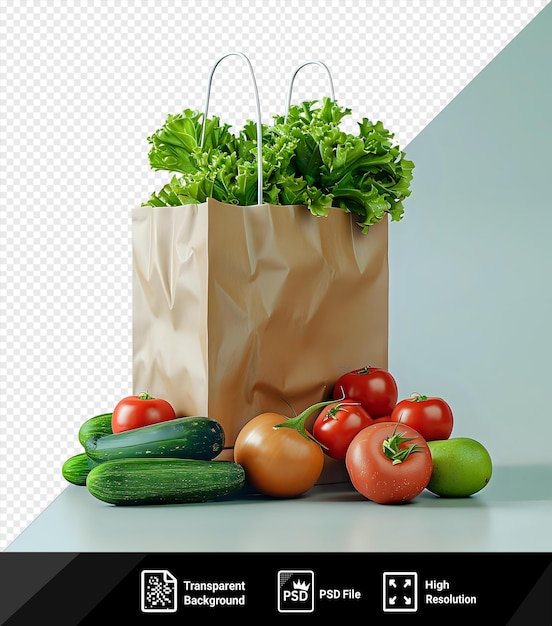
337,424
375,388
431,417
141,410
389,463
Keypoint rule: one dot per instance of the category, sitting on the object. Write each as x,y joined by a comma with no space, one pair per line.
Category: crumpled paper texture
243,310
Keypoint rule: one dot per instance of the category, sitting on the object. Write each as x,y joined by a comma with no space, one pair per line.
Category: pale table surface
512,514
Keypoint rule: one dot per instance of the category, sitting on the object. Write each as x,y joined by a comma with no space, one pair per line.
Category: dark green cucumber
98,425
164,481
77,467
200,438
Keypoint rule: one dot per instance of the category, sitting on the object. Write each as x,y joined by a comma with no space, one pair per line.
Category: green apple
461,467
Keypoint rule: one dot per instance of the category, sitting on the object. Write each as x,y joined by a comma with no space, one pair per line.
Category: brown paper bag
243,310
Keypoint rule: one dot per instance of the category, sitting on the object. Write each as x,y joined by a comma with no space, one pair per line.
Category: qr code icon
158,591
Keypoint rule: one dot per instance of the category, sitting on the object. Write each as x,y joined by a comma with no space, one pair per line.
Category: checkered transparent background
82,86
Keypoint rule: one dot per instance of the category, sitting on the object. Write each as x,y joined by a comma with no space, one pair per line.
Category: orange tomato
279,456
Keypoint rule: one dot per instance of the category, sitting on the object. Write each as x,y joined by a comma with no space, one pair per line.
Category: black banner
430,588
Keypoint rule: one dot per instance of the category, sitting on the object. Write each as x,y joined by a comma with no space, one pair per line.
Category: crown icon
299,584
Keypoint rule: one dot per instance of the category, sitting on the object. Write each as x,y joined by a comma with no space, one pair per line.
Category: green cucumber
200,438
164,481
98,425
76,468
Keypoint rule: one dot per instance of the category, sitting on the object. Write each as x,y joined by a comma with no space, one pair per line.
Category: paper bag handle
257,112
320,64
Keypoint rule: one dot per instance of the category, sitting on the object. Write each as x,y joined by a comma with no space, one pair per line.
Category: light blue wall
471,261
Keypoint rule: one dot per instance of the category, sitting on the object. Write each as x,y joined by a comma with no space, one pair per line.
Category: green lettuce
307,159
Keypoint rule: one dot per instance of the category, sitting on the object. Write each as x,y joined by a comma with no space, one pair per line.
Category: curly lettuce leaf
307,159
176,145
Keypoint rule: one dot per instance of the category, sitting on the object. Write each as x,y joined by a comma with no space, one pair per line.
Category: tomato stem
392,449
335,409
298,422
145,396
417,397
